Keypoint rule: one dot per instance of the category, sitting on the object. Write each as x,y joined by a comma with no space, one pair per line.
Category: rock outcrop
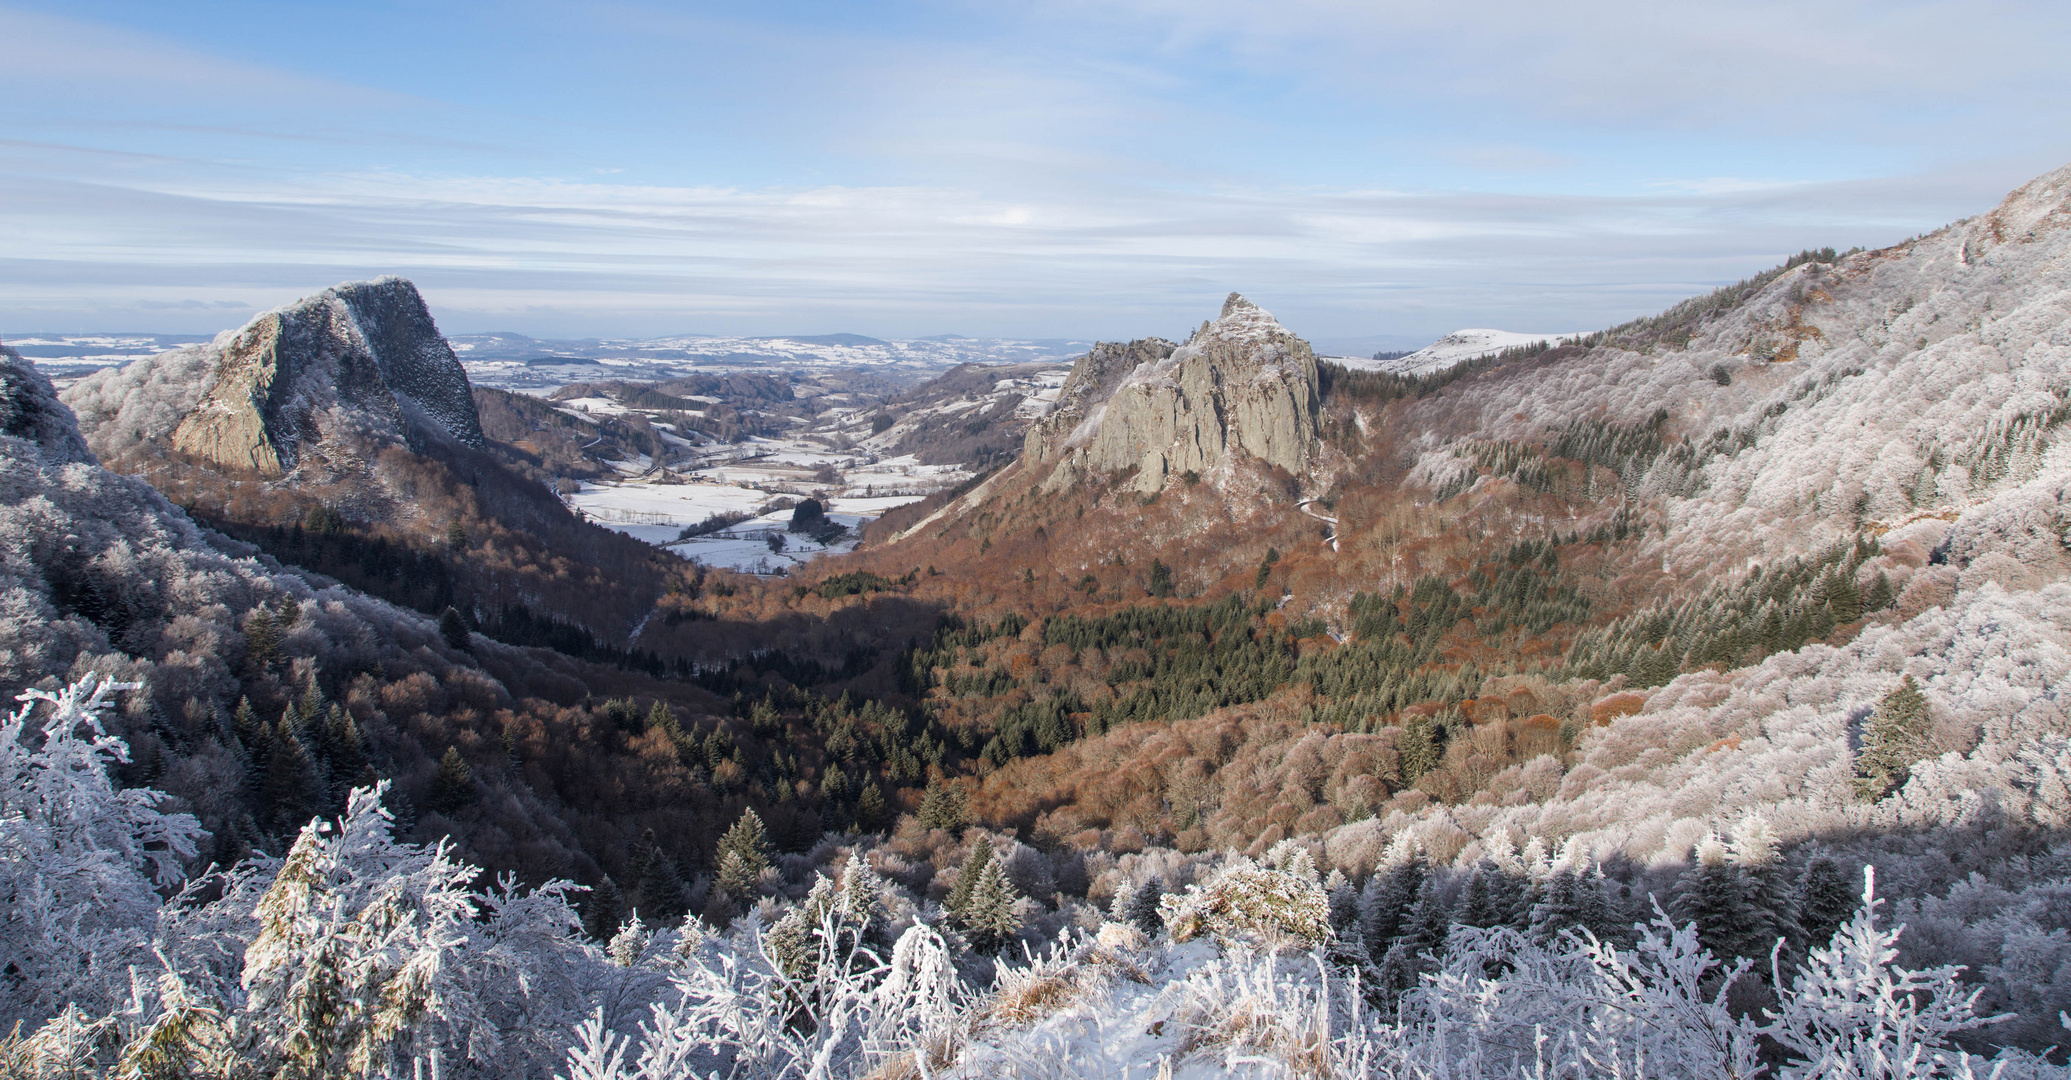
357,364
1240,385
1082,401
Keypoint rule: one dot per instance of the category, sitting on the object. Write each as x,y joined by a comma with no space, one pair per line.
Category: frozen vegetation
357,955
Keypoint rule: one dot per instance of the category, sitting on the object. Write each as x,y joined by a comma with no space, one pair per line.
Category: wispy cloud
549,255
1058,169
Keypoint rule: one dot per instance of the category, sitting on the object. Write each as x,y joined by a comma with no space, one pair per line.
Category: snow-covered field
658,513
66,358
1457,347
514,362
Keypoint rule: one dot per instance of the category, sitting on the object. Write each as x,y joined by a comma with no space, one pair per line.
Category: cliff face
359,363
1242,383
1084,396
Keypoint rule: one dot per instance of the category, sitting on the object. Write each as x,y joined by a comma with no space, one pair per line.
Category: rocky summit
1240,384
362,360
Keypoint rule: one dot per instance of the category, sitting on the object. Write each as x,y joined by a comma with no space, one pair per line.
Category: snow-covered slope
1916,394
1453,349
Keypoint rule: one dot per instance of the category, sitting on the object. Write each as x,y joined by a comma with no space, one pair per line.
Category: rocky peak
1083,397
361,361
1242,384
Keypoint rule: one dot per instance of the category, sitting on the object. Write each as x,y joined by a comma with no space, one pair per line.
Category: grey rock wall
362,359
1092,381
1242,384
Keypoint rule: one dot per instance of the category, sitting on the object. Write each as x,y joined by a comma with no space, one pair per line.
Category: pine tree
1494,898
1344,903
989,918
1385,903
1716,894
943,807
655,878
743,855
1825,900
1897,734
1265,568
870,808
309,706
250,732
602,910
288,788
453,628
1426,928
662,718
1419,747
1880,595
454,784
1771,890
981,856
262,637
347,749
791,939
1575,900
735,876
834,785
456,535
1161,579
1137,905
1414,951
862,896
1845,596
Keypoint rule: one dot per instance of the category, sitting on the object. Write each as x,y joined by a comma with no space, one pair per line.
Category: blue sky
1372,172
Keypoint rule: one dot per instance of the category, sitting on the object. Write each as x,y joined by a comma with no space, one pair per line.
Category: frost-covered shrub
357,955
80,861
1248,902
735,1012
1853,1012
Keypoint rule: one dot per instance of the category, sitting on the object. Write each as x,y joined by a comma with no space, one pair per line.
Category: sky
1375,173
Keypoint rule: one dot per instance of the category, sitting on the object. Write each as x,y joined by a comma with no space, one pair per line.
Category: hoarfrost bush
1852,1012
737,1013
1248,902
82,861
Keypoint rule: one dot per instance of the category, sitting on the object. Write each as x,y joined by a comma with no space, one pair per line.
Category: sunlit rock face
357,365
1240,384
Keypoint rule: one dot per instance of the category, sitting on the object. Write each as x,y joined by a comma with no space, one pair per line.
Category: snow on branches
80,860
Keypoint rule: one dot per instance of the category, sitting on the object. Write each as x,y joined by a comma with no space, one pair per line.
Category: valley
854,452
1048,682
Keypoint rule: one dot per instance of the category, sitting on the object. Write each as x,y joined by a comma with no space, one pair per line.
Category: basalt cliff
1241,385
307,388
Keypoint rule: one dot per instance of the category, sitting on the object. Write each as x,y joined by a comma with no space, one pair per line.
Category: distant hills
516,362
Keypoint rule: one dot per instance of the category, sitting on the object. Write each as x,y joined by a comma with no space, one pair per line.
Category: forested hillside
1599,708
